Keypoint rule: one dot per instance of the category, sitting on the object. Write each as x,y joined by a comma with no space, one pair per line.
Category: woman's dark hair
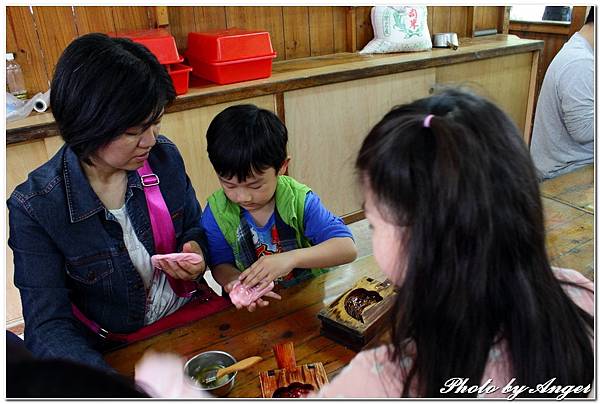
477,269
59,378
243,138
590,16
102,86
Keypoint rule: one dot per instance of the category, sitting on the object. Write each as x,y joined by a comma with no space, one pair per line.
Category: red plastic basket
180,74
159,41
230,56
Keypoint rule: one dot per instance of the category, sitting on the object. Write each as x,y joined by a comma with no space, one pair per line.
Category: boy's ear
284,166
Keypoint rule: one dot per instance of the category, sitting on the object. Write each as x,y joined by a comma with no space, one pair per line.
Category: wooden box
290,378
355,317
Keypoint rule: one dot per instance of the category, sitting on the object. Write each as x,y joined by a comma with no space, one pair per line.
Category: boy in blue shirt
264,226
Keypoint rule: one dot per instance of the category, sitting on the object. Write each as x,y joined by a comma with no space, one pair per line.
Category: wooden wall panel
265,18
321,30
27,48
364,29
486,17
504,80
210,18
552,44
430,19
11,40
52,145
578,16
440,19
340,27
182,21
54,37
296,32
351,108
459,21
94,19
129,18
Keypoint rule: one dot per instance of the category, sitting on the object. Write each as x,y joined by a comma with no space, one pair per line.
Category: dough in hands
241,295
190,258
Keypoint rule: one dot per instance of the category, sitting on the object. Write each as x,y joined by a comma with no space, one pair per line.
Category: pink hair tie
427,121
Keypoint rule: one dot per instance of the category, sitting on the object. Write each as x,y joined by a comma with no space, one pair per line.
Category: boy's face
254,193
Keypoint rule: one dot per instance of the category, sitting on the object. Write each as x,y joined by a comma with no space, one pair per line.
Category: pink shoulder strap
162,226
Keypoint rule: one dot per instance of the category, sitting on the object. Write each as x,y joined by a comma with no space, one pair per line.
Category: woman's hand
268,268
185,270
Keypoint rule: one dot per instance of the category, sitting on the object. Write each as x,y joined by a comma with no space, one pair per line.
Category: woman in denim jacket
79,226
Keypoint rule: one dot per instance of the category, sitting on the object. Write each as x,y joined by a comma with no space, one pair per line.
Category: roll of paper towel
41,101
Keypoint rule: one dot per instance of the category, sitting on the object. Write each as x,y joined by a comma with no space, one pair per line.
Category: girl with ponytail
453,199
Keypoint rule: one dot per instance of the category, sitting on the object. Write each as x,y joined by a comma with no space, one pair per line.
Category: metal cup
207,359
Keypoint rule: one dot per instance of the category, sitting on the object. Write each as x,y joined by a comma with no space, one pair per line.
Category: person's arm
576,92
225,274
219,255
51,330
369,375
332,245
329,253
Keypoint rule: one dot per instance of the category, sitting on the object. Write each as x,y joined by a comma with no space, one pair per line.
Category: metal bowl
445,40
208,359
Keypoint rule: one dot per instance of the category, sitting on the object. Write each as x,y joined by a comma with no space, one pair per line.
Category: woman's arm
51,330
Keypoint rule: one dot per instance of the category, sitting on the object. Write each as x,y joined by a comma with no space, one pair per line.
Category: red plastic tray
233,71
180,74
231,55
229,44
159,41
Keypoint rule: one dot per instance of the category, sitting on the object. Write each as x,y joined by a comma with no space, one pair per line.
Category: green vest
289,202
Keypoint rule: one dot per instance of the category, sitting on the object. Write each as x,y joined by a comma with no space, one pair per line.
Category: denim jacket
69,248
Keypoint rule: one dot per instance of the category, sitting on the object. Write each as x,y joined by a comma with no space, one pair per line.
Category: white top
161,300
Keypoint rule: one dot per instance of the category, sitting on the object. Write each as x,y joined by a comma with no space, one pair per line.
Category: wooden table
568,208
245,334
569,215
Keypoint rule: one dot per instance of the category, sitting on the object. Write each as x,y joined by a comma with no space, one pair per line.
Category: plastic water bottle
15,83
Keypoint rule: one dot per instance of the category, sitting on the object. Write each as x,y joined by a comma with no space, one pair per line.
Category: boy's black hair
245,138
590,16
102,86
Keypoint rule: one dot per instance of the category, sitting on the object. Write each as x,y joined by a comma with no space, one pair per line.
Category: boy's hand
258,303
267,268
185,270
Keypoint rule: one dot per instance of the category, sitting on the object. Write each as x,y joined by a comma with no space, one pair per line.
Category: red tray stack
162,44
230,56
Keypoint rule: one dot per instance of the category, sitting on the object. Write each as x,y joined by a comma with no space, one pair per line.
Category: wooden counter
329,103
243,334
310,72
